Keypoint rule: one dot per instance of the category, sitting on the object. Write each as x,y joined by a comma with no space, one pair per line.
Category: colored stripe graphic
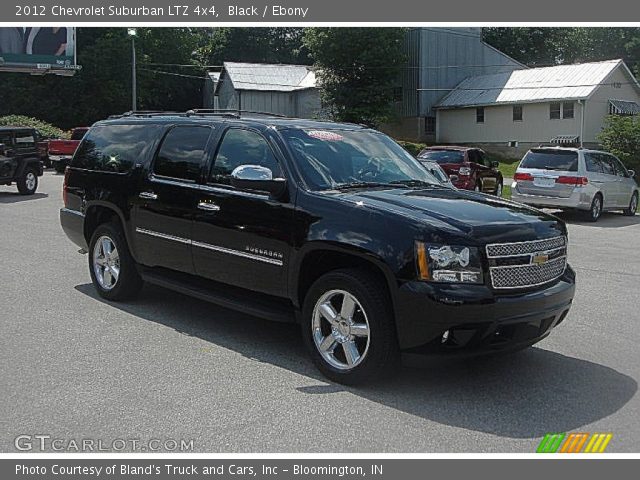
550,443
574,442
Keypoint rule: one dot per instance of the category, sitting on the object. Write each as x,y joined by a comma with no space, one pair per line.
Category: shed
281,89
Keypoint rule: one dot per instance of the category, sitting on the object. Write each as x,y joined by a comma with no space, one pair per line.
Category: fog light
445,337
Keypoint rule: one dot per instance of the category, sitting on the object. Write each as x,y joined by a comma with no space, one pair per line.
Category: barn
281,89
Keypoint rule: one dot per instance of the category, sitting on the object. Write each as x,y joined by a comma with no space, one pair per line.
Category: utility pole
134,94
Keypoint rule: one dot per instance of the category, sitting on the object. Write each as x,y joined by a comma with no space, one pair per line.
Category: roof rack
233,113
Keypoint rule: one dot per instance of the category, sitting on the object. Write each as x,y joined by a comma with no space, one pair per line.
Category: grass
506,191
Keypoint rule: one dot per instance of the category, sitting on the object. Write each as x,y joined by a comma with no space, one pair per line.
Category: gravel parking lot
166,366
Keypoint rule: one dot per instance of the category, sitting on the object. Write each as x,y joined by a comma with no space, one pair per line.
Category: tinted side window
607,164
182,153
620,170
113,148
5,139
593,163
25,140
242,147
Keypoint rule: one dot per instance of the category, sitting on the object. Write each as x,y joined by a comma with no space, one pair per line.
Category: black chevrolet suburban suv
334,226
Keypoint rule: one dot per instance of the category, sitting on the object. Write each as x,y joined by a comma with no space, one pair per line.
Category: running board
234,298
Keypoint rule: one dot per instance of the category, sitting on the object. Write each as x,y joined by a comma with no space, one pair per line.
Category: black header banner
74,12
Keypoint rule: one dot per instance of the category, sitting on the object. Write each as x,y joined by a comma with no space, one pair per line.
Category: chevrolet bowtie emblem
539,258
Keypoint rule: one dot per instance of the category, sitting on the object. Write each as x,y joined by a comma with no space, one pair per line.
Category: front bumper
59,158
464,183
477,318
580,199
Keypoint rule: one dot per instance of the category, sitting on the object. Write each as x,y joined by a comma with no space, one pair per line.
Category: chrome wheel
30,181
340,329
106,262
499,190
633,206
596,208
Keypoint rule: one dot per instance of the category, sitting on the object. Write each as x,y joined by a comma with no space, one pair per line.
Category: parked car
334,226
61,150
42,143
19,159
436,170
591,181
469,168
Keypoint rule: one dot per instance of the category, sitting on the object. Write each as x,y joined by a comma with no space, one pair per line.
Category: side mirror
632,173
255,177
494,164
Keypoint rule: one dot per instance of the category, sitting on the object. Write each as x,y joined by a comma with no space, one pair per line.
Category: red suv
469,168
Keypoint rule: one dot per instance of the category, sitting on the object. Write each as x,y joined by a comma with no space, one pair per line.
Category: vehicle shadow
523,395
15,197
607,220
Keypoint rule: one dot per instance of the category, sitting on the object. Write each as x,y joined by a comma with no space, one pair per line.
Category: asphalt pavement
166,366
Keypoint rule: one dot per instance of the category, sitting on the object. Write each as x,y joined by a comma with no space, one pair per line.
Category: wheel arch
96,213
319,259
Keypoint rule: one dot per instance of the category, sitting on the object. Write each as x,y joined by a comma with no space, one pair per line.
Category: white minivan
575,178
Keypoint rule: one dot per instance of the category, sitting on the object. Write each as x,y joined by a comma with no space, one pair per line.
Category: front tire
113,269
633,206
499,187
348,327
28,182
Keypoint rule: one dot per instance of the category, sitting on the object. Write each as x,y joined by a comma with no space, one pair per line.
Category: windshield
332,159
443,156
564,160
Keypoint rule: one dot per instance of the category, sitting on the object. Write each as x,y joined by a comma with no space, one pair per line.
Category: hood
481,218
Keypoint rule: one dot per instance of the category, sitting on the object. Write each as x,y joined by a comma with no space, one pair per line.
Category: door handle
148,195
208,206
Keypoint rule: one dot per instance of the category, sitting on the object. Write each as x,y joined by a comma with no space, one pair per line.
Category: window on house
480,115
567,110
554,111
429,124
517,113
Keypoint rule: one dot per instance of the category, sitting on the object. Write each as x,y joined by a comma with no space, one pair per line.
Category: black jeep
20,158
333,226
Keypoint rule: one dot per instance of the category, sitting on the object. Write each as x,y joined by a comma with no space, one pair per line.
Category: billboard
38,50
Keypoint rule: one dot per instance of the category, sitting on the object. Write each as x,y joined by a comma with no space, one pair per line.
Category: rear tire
348,326
28,182
593,214
112,268
633,206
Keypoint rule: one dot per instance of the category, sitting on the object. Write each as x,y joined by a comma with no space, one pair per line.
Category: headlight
465,171
448,263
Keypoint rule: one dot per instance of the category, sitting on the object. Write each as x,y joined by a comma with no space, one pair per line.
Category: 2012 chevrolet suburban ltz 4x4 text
334,226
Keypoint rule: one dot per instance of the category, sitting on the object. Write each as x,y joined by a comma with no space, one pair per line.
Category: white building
261,87
509,112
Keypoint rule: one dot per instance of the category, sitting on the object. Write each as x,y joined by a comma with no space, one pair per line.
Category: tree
541,46
358,69
621,136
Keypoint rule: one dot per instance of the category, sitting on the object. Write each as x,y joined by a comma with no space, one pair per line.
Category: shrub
413,148
44,128
621,136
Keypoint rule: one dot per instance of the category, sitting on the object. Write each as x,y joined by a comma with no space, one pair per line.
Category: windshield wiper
417,183
345,186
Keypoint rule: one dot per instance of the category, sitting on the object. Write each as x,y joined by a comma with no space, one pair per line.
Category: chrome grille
513,265
523,248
